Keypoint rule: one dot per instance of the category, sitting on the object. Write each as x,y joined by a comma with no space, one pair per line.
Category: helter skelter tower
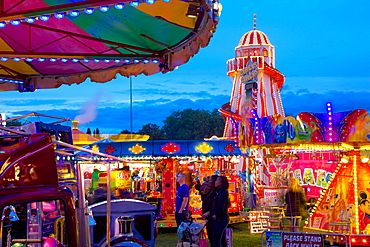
256,85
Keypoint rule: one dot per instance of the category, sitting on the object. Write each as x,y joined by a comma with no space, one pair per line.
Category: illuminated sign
249,73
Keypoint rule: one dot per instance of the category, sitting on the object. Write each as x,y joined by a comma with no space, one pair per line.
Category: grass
241,237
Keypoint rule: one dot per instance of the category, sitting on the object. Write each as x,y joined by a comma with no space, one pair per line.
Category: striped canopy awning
81,139
48,43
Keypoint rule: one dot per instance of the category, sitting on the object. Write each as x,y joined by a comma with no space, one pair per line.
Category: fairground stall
326,152
150,172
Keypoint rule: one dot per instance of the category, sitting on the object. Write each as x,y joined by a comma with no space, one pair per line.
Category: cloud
113,120
207,83
192,92
31,102
154,84
302,91
113,117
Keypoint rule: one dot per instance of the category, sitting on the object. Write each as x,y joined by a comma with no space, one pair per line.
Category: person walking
208,193
219,212
182,198
295,200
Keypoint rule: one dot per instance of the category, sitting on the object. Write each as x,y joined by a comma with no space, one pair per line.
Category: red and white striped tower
254,55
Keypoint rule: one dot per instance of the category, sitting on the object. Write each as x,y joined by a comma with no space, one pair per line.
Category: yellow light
346,145
344,159
137,149
365,160
353,240
365,147
204,148
357,220
364,240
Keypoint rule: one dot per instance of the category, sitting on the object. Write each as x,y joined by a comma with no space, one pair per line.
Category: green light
161,225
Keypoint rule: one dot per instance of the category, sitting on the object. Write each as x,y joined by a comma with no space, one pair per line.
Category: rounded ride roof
254,37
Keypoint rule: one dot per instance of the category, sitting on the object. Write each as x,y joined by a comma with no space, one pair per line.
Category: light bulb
135,4
59,15
89,11
104,8
119,6
45,17
74,13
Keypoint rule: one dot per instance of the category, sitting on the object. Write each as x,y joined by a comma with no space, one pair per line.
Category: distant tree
217,123
125,132
16,122
193,125
97,133
153,130
88,131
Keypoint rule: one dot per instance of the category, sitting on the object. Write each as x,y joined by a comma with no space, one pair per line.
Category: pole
83,227
130,107
108,205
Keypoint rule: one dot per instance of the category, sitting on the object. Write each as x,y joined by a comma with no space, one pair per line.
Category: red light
170,148
170,224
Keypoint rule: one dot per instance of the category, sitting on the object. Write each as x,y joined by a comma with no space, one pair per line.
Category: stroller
190,233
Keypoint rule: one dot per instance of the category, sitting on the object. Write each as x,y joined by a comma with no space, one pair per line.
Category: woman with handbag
219,212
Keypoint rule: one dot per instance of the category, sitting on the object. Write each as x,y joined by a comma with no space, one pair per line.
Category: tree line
187,124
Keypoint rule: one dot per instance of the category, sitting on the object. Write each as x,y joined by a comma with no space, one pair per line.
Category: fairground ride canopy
48,43
164,148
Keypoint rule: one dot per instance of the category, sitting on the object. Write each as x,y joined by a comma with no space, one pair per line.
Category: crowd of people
215,203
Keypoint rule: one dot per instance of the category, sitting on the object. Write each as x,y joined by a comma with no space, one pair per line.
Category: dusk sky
322,47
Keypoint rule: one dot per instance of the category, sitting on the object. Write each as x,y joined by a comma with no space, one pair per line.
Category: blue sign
273,239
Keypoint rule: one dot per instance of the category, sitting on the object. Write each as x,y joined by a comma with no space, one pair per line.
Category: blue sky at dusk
321,47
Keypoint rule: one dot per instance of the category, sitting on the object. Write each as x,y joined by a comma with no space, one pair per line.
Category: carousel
46,44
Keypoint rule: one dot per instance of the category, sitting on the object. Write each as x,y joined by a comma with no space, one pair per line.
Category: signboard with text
296,239
249,73
273,239
293,239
